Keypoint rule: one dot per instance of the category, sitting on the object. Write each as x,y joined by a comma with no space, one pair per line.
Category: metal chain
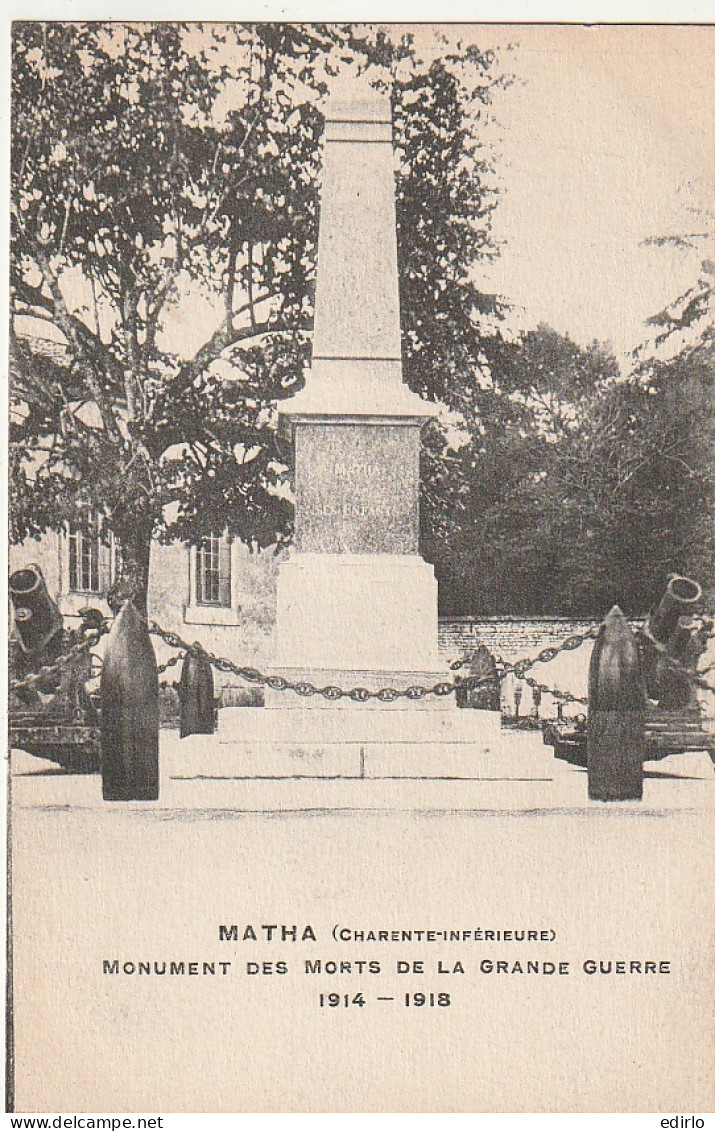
166,684
170,663
356,694
521,667
303,687
47,672
417,691
562,696
545,656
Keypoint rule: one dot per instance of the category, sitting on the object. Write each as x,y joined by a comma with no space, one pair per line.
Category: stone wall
510,637
513,638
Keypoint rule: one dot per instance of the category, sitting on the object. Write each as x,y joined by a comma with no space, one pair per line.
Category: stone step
357,723
377,745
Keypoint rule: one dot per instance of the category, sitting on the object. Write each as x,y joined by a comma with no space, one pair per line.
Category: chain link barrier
389,694
303,687
170,663
545,656
44,678
47,673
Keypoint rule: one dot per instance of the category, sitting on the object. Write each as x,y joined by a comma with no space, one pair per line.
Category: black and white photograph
361,647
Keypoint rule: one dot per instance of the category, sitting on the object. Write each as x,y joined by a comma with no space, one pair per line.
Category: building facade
218,593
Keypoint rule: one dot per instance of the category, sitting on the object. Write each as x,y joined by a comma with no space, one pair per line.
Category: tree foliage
674,378
513,536
592,486
165,182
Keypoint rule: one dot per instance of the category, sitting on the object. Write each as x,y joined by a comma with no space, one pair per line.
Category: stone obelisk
357,605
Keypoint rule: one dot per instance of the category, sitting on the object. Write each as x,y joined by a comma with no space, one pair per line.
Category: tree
654,460
524,514
673,377
122,180
587,487
152,161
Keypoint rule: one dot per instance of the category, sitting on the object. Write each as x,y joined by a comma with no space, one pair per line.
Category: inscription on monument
357,488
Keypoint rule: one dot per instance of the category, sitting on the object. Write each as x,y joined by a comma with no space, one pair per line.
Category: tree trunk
131,580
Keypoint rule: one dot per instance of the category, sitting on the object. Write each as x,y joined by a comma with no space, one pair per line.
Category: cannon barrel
37,617
681,594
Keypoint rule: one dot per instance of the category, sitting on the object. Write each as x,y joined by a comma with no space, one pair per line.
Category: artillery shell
129,690
616,714
196,693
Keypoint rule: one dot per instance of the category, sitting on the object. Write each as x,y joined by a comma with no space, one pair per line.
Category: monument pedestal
357,611
355,742
357,620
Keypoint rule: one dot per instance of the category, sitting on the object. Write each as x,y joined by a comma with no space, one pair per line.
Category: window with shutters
213,571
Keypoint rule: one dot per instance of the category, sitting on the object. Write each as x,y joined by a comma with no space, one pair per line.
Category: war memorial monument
355,594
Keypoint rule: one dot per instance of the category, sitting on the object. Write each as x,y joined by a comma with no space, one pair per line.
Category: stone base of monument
353,743
365,611
354,621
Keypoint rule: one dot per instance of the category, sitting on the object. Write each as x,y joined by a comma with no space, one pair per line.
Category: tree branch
162,292
222,339
231,277
251,306
32,296
26,370
67,324
131,346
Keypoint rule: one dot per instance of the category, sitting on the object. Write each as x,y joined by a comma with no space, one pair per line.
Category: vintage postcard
361,664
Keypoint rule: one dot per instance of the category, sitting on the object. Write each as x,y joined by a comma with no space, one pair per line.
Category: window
85,561
89,558
211,581
213,571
